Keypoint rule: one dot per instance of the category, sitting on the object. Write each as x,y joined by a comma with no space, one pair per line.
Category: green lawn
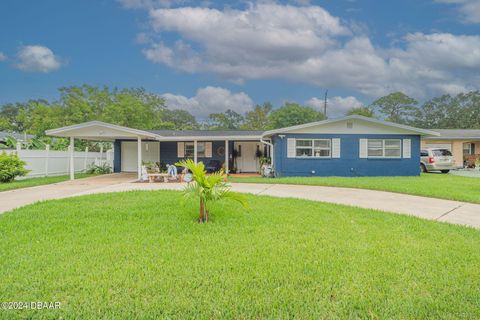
32,182
442,186
142,255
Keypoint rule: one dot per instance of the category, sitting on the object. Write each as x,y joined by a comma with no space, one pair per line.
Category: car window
424,153
441,153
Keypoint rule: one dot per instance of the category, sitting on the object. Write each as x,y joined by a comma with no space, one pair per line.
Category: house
463,143
348,146
20,137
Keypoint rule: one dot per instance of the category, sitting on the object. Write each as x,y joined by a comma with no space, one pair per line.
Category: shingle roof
207,133
458,133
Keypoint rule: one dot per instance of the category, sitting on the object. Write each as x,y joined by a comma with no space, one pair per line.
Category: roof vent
349,125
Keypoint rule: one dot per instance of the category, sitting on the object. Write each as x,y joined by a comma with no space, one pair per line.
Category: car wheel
423,168
445,171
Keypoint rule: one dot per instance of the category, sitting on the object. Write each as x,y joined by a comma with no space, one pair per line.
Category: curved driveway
423,207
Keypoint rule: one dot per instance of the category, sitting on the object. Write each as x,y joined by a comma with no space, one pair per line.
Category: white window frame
313,148
383,148
200,149
470,148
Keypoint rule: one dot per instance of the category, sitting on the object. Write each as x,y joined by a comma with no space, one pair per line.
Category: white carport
101,131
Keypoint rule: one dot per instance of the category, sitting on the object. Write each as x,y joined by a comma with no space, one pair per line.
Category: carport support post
72,164
195,150
139,157
226,157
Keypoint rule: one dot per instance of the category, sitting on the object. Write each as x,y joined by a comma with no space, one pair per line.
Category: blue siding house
350,146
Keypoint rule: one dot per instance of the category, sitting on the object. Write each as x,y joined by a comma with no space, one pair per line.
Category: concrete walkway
427,208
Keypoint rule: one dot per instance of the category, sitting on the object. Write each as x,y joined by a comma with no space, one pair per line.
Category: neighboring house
349,146
463,143
20,137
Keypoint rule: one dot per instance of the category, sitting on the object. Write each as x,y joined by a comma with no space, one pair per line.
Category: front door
247,161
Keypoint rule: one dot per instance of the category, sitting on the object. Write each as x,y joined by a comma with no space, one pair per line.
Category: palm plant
207,188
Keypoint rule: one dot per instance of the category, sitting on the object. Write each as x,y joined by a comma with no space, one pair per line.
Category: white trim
407,148
180,149
367,119
208,149
209,138
64,131
336,148
291,147
363,152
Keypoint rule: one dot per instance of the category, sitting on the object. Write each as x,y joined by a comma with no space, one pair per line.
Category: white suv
436,160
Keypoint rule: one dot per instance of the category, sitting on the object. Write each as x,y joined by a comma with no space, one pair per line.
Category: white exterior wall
54,163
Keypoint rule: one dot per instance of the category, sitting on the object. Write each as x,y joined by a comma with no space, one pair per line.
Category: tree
207,189
293,114
179,120
461,112
228,120
361,111
258,118
396,107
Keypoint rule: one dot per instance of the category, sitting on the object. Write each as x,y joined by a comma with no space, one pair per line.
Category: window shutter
363,152
336,148
181,149
291,148
407,148
208,149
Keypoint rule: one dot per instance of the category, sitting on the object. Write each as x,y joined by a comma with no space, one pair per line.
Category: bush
11,166
99,169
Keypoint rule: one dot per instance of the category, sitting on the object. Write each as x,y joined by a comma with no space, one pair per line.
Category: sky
210,56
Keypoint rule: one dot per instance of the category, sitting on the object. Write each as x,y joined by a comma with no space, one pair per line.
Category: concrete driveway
427,208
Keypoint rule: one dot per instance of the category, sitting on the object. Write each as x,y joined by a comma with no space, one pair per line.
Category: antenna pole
325,104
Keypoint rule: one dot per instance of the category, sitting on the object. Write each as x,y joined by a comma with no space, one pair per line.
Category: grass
140,255
32,182
443,186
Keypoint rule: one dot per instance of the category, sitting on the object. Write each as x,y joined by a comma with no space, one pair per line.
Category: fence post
47,154
101,152
85,160
19,147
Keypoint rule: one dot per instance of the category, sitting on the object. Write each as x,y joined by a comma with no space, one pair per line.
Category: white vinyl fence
53,163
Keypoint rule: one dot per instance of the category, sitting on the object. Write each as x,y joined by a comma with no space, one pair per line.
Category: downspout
271,151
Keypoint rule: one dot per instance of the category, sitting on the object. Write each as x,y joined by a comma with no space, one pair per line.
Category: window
469,148
384,148
190,149
316,148
441,153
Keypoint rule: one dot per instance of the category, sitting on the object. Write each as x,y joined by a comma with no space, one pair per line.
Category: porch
234,151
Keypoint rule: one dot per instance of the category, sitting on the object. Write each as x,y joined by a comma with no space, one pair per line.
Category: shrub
11,166
99,168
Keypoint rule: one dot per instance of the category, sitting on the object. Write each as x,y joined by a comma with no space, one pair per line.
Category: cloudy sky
209,56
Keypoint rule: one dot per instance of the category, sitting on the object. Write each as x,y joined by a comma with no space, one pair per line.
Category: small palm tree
208,188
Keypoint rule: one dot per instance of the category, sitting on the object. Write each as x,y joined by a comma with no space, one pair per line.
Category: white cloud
307,44
470,9
336,106
210,100
3,57
37,59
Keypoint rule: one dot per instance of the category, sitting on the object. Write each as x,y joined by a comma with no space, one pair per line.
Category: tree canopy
293,114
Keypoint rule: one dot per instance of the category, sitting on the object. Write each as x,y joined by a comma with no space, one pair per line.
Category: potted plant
151,166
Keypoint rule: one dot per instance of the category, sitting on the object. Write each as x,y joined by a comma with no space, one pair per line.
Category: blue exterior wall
349,164
117,156
168,153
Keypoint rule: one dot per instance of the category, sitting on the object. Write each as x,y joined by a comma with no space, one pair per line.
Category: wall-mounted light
281,136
